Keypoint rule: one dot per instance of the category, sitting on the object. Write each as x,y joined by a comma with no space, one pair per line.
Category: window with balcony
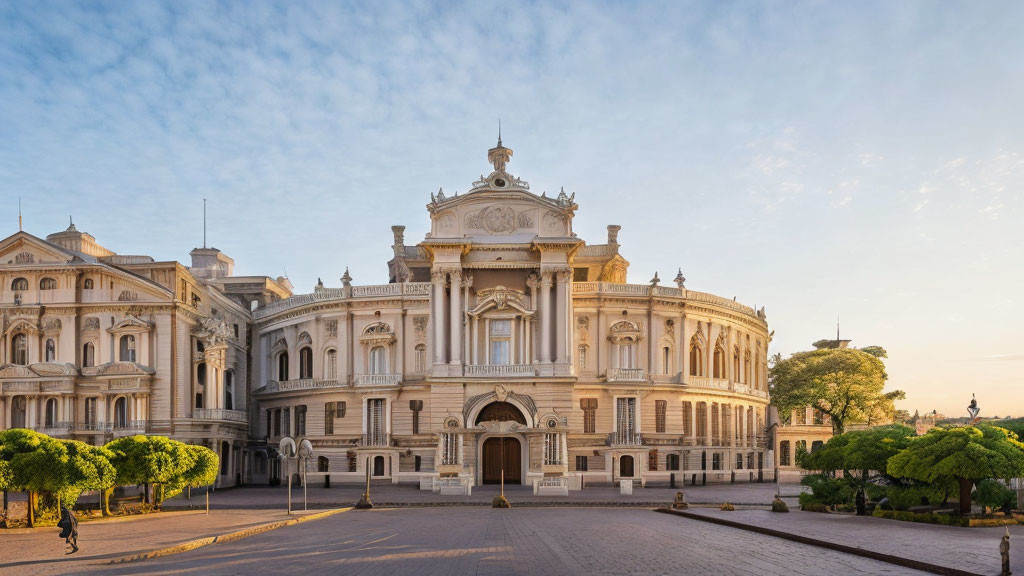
127,348
51,350
19,350
305,363
19,285
378,360
47,284
625,353
625,416
500,342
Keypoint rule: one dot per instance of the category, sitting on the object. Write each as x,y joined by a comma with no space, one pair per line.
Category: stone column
562,309
3,412
456,318
545,318
437,316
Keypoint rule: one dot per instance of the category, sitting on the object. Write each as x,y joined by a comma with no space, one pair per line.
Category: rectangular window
329,418
716,429
376,424
739,461
687,419
716,461
579,274
286,421
581,359
589,406
801,416
277,422
552,449
300,420
659,415
501,341
90,411
652,460
784,453
581,463
625,356
702,422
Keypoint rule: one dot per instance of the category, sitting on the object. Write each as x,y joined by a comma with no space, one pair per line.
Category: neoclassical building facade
504,346
96,345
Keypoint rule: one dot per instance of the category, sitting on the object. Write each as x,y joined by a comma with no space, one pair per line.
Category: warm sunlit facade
505,344
502,345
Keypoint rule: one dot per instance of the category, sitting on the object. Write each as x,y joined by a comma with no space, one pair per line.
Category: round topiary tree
966,454
148,460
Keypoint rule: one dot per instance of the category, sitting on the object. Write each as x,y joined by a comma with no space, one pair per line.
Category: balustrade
377,440
625,438
500,370
378,379
219,414
626,375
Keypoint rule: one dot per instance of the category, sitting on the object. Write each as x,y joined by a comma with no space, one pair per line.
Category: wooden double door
502,453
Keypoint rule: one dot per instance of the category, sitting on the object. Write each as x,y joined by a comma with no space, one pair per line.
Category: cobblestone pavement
39,551
482,541
390,494
971,549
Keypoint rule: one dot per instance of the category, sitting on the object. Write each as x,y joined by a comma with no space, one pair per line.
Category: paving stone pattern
971,549
534,541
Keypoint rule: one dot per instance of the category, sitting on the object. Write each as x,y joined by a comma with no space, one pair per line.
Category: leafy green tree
967,454
845,383
88,468
146,460
202,472
991,494
37,464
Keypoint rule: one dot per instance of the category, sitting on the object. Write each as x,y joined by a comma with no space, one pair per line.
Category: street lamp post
365,502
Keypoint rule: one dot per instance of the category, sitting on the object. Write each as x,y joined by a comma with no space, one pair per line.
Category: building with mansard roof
503,346
506,346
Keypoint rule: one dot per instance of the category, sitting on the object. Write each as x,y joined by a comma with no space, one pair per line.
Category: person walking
69,528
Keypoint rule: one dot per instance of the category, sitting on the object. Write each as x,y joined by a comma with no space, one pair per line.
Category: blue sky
861,159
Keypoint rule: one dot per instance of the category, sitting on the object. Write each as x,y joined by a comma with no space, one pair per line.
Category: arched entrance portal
626,466
502,453
502,449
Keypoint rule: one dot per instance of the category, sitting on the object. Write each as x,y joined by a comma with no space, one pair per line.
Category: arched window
127,348
378,465
51,413
698,363
784,453
19,350
200,383
229,389
18,409
87,285
719,362
421,358
19,285
51,350
47,284
282,366
378,360
305,362
121,413
625,353
331,364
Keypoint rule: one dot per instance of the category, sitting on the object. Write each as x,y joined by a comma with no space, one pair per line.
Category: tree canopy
845,383
864,450
158,460
966,454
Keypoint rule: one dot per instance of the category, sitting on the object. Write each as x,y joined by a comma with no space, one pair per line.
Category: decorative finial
346,279
319,282
680,279
499,132
71,225
499,155
655,281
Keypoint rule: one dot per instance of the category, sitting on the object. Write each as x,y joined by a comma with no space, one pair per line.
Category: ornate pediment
130,324
377,333
500,298
625,329
22,324
50,369
16,371
23,248
118,368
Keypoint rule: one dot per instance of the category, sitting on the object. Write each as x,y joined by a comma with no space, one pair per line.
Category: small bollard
680,501
1004,552
672,480
732,480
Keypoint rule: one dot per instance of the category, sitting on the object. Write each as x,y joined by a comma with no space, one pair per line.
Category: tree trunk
105,500
965,494
31,509
838,426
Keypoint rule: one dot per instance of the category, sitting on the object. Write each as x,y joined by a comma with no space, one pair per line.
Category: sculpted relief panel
498,219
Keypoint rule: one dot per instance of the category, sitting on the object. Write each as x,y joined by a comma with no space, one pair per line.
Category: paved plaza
483,541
